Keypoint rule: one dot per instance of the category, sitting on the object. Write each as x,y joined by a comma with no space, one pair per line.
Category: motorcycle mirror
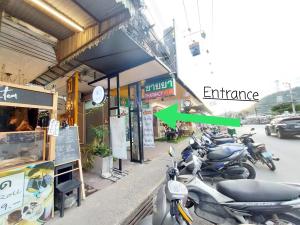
192,141
171,151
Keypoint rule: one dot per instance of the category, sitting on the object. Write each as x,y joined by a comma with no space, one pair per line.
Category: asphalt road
288,150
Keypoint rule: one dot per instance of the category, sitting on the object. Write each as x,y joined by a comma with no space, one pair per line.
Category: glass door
135,123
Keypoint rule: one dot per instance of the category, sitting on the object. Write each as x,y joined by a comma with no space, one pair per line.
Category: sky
251,44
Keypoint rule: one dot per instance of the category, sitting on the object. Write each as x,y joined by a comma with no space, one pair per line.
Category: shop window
95,115
22,140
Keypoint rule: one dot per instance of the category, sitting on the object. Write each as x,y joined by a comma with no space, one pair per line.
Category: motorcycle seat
257,191
255,145
220,136
223,140
219,154
232,148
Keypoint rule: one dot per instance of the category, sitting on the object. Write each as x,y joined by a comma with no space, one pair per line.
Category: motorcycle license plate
267,155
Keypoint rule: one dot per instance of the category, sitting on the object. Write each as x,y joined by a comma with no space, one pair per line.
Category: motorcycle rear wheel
251,170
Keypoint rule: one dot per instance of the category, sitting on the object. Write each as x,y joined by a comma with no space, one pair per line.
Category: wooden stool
63,189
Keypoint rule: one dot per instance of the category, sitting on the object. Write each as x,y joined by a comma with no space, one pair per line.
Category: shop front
26,155
163,91
48,55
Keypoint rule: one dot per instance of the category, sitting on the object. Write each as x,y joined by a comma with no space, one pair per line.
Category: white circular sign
98,94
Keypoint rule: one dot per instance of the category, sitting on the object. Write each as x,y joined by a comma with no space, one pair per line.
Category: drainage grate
145,209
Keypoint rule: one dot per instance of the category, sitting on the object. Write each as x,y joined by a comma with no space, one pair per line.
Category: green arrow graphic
171,115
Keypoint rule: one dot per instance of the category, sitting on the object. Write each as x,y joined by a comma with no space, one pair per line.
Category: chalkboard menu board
67,146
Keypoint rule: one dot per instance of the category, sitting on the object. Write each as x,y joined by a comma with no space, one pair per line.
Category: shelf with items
17,148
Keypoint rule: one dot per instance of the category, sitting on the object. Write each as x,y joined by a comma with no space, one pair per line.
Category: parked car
284,127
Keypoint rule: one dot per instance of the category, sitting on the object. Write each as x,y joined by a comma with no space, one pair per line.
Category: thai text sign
11,192
72,99
148,134
160,88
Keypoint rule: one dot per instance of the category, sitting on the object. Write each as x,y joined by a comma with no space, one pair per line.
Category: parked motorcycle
223,163
258,151
236,202
170,202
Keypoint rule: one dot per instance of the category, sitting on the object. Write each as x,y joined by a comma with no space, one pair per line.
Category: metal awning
115,54
142,72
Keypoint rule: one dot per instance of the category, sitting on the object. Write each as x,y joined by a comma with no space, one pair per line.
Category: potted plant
103,161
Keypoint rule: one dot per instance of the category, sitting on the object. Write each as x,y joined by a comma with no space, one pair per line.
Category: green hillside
265,104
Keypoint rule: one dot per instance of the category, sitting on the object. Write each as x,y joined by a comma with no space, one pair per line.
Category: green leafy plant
87,157
100,148
282,107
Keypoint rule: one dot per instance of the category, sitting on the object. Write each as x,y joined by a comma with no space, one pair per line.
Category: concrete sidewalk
115,203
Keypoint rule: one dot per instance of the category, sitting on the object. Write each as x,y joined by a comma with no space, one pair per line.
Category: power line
199,15
151,15
186,17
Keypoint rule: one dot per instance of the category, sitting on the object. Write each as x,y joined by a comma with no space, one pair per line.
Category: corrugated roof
27,13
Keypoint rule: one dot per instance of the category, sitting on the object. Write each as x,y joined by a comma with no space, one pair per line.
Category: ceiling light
50,11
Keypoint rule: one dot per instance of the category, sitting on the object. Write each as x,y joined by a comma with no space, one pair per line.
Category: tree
281,108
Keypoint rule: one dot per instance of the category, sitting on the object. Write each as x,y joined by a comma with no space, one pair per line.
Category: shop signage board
118,137
148,134
28,194
159,88
11,192
72,99
20,96
98,94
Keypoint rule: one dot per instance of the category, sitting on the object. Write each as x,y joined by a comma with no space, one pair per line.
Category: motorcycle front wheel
251,171
270,164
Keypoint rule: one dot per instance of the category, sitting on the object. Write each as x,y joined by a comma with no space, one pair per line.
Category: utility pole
292,97
176,47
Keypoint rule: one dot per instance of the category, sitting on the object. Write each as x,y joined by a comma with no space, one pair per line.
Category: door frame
138,111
